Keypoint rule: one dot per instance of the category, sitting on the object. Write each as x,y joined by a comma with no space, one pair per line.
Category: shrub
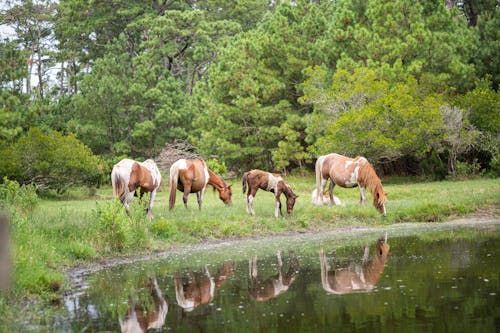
50,160
21,197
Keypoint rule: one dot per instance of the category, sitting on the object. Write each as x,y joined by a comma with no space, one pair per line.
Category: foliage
117,230
21,197
241,80
50,160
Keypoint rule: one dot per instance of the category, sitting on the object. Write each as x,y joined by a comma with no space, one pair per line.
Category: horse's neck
369,178
374,267
214,180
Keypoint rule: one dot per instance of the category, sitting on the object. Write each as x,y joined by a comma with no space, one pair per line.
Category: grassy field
61,234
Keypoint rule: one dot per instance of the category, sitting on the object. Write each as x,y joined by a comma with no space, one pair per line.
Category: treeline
411,85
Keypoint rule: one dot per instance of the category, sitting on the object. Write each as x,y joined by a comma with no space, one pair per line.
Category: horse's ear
386,193
229,186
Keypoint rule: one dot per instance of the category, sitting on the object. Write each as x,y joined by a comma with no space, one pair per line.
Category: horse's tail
118,184
174,177
244,182
318,168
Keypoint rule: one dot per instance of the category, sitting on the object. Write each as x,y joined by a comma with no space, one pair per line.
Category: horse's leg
150,206
199,196
278,205
362,195
330,192
251,196
187,190
366,255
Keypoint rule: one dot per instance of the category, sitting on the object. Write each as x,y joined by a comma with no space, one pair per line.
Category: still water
425,278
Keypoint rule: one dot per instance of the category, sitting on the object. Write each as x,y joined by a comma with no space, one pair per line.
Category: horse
272,182
128,175
324,199
200,287
355,277
192,176
263,289
349,172
141,318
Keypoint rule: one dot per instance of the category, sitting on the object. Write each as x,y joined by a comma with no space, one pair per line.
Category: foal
272,182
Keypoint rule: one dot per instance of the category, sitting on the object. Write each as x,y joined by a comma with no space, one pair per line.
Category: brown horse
129,175
200,287
349,172
140,318
263,289
192,176
355,277
272,182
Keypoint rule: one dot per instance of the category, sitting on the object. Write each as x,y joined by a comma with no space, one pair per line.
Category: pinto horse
199,288
140,318
264,289
128,175
192,176
272,182
355,277
349,172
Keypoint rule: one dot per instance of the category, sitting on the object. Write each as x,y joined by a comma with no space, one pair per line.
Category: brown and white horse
200,288
263,289
192,176
139,319
128,175
355,277
350,172
324,199
272,182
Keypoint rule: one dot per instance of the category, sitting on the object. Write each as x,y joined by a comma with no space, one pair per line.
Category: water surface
435,278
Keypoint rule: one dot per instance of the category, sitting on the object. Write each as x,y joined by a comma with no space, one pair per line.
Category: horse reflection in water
200,287
263,289
140,318
355,277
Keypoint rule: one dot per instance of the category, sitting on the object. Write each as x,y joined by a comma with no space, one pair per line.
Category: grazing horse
192,176
128,175
263,289
349,172
272,182
355,277
139,319
200,287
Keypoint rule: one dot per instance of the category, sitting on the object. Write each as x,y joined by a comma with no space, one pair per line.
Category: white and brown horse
192,176
129,175
199,288
349,172
140,318
324,199
263,289
272,182
355,277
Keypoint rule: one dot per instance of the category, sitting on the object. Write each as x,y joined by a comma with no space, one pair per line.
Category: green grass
61,234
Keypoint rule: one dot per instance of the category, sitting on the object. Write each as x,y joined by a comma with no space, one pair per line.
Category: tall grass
64,233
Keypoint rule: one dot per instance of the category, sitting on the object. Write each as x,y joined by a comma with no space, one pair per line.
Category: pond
434,277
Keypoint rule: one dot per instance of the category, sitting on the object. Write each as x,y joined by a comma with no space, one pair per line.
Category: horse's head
226,194
379,200
290,199
383,247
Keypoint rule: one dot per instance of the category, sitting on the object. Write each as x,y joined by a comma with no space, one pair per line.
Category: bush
50,160
118,231
13,195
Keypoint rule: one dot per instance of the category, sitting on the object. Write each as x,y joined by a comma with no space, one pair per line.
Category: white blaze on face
272,182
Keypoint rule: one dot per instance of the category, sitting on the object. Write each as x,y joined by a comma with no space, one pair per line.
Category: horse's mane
368,177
